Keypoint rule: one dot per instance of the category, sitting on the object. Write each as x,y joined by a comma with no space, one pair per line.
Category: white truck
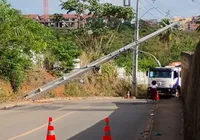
168,78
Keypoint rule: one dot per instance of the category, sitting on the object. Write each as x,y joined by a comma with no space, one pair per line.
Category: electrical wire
166,14
149,12
163,8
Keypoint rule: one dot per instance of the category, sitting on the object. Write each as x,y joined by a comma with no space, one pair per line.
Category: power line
163,8
157,8
149,12
166,14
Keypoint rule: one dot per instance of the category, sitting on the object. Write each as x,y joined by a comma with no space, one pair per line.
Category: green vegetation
167,47
23,39
20,38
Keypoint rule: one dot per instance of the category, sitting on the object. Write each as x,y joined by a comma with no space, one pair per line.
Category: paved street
76,120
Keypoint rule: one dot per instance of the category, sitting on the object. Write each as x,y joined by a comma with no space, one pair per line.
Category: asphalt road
76,120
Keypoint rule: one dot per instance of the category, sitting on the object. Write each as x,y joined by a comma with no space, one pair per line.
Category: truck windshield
160,74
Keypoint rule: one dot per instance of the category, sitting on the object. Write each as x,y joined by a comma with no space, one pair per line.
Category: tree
19,37
166,36
63,52
57,18
76,6
101,26
22,39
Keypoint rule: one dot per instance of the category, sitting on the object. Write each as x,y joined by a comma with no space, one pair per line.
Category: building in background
186,24
67,20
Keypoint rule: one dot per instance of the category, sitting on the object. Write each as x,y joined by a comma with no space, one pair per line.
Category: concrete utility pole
135,52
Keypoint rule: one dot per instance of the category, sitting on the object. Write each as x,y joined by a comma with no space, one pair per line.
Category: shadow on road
127,122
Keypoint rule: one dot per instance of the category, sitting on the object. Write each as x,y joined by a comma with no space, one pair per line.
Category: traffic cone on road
157,96
50,130
107,135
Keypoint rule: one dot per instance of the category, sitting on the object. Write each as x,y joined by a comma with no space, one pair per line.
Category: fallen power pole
68,77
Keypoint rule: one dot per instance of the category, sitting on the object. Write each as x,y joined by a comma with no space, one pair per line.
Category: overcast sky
184,8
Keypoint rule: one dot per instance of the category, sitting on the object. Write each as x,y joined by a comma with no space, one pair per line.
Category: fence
141,76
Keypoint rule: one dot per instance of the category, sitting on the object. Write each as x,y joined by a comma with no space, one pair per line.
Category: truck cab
168,79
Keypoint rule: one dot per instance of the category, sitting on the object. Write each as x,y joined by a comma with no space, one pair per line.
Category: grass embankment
96,84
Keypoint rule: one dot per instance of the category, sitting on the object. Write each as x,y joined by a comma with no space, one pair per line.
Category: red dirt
34,79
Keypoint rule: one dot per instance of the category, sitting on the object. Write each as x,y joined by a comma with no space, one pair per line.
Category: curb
152,124
12,105
16,104
75,99
146,135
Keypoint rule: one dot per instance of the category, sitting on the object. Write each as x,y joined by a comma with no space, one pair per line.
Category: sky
154,9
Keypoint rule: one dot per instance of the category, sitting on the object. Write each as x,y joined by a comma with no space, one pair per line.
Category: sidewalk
168,120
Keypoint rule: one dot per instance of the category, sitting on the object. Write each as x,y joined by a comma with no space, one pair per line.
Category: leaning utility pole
135,52
74,74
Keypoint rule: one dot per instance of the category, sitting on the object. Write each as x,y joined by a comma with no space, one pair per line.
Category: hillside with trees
29,50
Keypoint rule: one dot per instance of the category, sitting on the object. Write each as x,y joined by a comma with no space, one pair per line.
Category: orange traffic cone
107,135
157,96
50,131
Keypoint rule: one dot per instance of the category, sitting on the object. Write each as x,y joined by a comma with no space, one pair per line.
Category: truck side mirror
147,73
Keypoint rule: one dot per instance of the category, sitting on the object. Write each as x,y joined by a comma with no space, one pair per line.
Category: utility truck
168,78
